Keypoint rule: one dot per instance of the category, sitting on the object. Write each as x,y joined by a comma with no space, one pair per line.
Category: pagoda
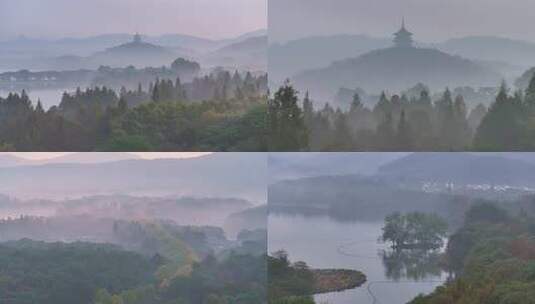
403,38
137,38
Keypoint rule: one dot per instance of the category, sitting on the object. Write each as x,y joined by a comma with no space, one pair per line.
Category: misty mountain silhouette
253,44
74,53
135,52
249,53
284,166
395,69
287,59
213,175
463,168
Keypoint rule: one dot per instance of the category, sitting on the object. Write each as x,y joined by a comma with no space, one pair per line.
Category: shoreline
333,280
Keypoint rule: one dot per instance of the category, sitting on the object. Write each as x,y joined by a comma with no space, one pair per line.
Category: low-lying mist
237,175
72,200
447,184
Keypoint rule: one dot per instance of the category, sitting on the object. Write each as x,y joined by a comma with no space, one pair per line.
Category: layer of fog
443,183
80,201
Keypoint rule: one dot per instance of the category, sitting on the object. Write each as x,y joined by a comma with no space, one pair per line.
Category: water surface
323,242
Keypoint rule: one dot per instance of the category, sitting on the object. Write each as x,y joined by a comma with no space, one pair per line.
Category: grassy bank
329,280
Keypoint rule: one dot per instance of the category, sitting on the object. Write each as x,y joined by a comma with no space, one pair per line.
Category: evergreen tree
502,129
287,131
445,114
460,128
475,117
530,95
356,104
39,108
382,108
156,96
342,140
122,106
422,129
386,134
404,136
308,110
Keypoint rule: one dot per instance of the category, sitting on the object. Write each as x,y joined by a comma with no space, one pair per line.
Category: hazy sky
146,155
430,20
60,18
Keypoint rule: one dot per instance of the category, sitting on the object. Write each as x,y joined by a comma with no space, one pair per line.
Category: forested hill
79,52
493,255
287,59
166,264
58,273
396,69
461,168
218,112
351,197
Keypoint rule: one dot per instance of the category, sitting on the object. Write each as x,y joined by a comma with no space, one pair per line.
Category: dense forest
217,112
129,262
56,273
493,256
239,279
402,123
289,283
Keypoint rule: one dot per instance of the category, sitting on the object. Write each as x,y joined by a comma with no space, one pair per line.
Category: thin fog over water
188,188
347,245
335,211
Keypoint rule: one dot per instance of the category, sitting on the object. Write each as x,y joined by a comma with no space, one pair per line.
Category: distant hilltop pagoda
137,38
403,38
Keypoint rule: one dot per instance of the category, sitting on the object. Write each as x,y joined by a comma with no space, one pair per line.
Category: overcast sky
61,18
430,20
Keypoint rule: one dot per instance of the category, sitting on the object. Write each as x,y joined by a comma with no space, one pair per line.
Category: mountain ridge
395,69
219,174
509,56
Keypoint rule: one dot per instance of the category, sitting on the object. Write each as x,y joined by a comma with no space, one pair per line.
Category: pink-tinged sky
68,18
430,20
145,155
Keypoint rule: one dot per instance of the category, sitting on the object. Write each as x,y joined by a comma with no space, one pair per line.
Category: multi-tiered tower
403,38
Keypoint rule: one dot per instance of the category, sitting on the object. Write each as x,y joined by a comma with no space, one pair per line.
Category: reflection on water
416,265
393,277
49,98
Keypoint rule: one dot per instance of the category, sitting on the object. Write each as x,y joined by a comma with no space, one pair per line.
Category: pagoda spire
137,38
403,38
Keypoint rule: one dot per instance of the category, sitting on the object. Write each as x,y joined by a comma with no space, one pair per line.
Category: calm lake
323,242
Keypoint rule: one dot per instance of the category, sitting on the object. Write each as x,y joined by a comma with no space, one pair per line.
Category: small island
414,230
331,280
290,283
